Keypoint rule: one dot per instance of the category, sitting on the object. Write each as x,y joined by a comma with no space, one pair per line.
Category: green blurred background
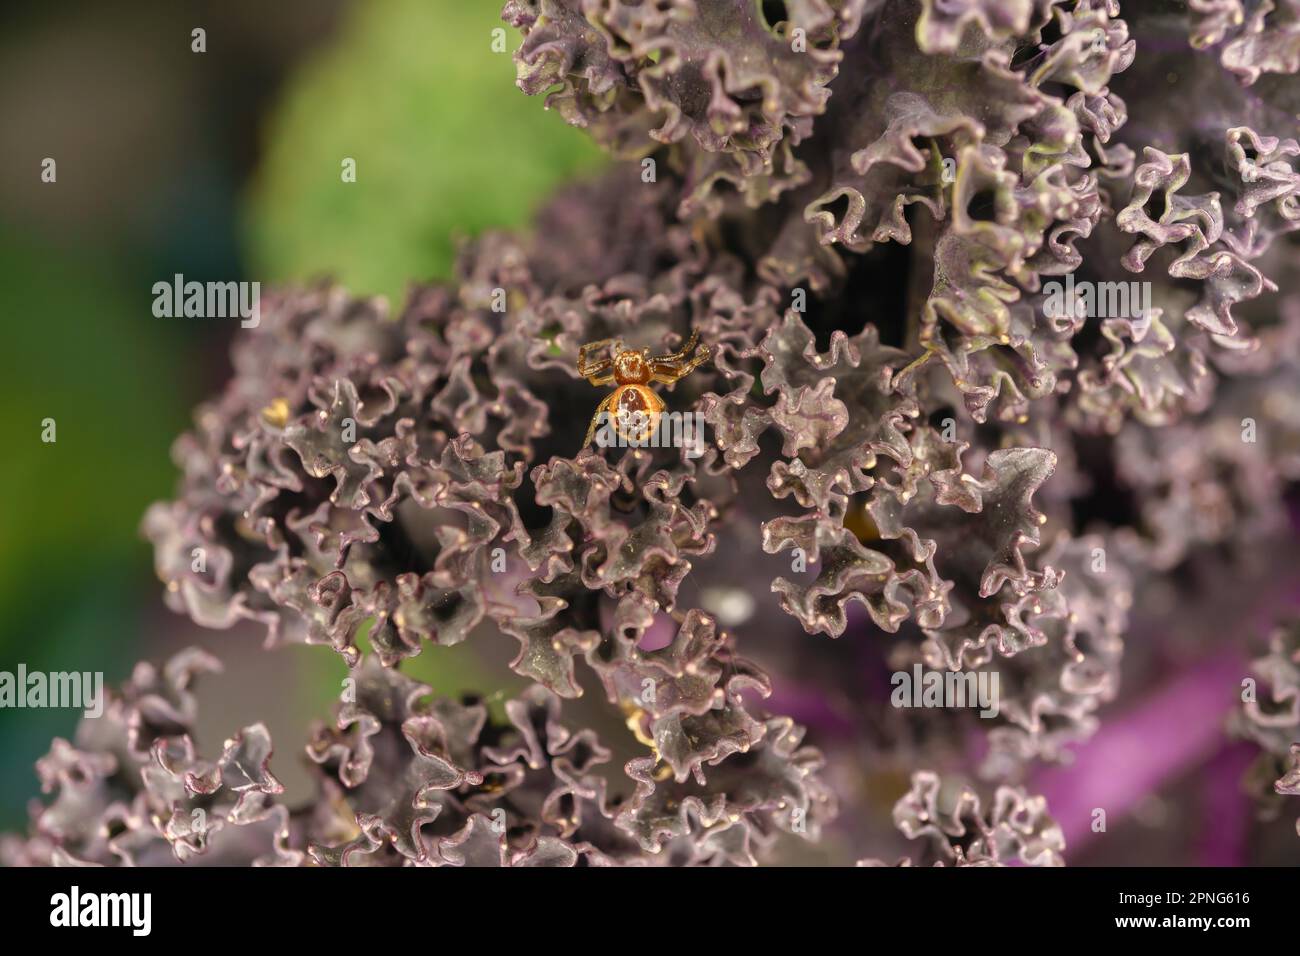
218,165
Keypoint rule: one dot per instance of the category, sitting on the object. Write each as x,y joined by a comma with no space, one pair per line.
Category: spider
635,407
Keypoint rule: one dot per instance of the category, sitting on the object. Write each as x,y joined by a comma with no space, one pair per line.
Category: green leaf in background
96,361
444,145
87,353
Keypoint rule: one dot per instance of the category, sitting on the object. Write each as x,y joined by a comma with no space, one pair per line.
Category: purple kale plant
919,453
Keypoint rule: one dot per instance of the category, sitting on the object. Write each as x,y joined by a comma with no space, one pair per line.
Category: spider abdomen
636,411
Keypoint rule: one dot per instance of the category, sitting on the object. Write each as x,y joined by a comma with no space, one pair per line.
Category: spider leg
681,353
595,419
667,373
587,369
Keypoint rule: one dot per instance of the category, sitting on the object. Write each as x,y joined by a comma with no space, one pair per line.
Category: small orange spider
635,407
